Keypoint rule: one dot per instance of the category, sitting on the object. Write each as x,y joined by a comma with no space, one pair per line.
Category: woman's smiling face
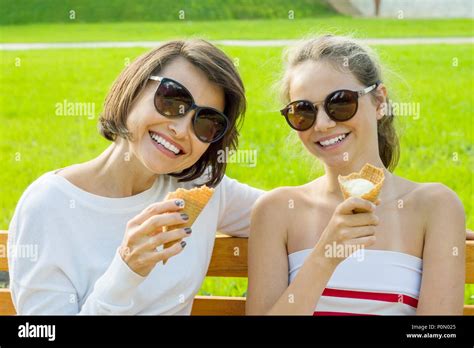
313,81
144,121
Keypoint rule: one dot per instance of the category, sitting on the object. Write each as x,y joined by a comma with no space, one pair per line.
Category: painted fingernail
183,244
188,230
184,216
179,203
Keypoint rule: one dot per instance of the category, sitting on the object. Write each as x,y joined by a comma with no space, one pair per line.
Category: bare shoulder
272,213
435,200
278,200
431,193
438,196
444,204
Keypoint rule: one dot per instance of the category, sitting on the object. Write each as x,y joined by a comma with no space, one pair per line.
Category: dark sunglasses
172,100
339,105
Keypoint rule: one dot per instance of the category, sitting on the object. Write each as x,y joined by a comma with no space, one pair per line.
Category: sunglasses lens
172,99
210,125
300,115
341,105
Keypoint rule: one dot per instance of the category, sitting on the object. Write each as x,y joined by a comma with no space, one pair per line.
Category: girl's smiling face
144,121
313,81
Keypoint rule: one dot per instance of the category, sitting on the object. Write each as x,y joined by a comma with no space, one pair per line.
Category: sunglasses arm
368,89
155,78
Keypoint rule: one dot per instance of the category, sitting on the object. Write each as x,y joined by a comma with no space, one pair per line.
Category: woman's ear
381,101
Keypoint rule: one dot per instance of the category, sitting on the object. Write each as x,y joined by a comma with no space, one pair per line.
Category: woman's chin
156,164
335,163
333,160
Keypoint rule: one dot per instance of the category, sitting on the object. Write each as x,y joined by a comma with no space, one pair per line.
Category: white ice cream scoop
358,187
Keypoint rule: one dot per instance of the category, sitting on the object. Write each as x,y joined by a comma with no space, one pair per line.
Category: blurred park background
426,47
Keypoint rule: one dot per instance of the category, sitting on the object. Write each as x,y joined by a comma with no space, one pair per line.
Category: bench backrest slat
469,262
229,257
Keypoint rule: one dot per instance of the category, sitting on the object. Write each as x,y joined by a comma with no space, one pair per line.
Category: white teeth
163,142
333,140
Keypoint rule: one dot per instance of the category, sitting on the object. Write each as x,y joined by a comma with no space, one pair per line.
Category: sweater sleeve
236,202
38,281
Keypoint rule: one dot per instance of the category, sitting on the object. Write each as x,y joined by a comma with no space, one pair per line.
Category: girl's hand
348,229
144,234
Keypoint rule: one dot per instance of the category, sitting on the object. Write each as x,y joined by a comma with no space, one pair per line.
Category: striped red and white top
369,282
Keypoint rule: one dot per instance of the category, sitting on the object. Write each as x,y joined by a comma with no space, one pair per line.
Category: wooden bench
229,259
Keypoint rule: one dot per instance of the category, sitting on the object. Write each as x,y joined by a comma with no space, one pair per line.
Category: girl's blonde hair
348,55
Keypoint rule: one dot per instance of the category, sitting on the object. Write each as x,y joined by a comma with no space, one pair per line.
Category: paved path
242,43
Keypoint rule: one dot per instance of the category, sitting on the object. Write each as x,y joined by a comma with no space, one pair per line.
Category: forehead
204,92
315,80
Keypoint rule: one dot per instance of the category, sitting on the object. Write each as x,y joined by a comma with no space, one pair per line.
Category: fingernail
184,216
179,203
187,230
183,243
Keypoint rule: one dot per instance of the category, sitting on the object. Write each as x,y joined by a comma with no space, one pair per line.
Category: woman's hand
348,229
144,234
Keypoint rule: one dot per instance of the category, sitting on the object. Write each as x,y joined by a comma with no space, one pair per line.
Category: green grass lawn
90,11
233,29
437,147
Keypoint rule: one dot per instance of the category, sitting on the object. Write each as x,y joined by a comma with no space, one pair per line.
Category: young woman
412,244
97,225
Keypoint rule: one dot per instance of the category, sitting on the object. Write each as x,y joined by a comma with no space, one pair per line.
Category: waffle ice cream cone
351,185
195,201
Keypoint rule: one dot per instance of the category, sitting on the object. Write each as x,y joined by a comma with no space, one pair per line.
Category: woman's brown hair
219,69
349,55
